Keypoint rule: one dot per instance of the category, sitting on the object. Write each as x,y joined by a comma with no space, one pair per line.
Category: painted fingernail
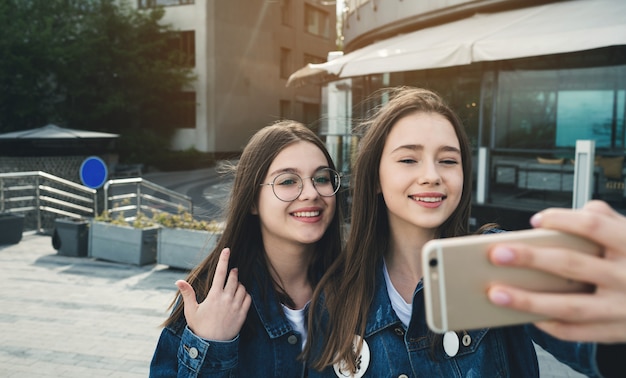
499,297
503,255
535,220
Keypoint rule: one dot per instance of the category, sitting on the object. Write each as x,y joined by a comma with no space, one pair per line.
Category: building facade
242,53
528,78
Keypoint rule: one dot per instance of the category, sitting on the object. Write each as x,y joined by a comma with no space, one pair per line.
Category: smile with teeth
429,199
306,214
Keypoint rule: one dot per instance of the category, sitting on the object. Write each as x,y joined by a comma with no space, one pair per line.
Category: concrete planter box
183,248
11,228
123,244
71,237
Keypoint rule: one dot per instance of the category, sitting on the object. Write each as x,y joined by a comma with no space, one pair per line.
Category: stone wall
66,167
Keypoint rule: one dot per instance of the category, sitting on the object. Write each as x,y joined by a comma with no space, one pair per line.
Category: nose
308,189
429,173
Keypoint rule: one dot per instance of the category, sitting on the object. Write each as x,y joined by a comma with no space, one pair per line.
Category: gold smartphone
457,275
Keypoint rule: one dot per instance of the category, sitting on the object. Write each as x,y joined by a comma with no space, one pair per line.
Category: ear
254,210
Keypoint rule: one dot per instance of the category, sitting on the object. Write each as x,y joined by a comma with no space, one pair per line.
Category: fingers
560,261
573,317
221,270
606,332
232,282
596,221
188,294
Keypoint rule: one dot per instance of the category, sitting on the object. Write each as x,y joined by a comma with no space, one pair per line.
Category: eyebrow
419,147
293,170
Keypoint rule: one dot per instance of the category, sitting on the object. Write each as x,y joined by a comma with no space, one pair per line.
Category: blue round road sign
93,172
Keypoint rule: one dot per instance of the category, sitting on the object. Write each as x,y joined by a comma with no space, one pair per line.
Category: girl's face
421,172
305,219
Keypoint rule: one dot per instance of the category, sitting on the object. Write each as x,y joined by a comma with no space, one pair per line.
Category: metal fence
42,197
128,196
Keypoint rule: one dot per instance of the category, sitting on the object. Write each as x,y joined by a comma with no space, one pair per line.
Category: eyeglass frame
302,179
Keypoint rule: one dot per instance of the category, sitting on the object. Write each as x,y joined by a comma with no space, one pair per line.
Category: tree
90,64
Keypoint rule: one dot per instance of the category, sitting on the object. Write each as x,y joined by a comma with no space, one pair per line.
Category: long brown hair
242,232
348,286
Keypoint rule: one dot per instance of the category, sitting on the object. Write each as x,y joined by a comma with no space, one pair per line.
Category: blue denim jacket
269,347
499,352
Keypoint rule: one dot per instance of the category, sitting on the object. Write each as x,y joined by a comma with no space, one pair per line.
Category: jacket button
193,352
403,376
292,339
466,340
399,331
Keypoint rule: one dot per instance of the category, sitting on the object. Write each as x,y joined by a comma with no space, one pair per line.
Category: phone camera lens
432,262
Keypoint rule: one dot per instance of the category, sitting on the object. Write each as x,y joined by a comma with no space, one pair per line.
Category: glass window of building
551,109
286,12
163,3
285,63
184,44
184,110
317,21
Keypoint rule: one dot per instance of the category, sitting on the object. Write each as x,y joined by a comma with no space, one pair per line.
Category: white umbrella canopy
55,132
559,27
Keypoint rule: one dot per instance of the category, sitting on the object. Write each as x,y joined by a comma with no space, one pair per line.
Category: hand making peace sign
222,313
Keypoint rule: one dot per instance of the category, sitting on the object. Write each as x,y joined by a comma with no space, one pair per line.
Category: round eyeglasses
288,186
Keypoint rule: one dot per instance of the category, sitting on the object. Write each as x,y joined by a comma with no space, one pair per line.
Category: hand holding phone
457,275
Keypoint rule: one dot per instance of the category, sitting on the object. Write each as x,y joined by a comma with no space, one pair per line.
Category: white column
583,172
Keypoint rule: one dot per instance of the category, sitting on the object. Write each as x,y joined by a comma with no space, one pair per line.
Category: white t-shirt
296,319
402,309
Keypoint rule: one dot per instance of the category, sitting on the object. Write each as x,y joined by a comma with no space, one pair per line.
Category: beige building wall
366,21
239,88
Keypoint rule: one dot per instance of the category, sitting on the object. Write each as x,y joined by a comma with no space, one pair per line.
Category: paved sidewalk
79,317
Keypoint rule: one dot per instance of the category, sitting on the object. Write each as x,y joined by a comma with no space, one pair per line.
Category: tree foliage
89,64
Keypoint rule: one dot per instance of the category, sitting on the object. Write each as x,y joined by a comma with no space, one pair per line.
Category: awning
560,27
55,132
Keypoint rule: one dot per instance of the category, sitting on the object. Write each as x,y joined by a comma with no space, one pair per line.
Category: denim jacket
396,351
268,347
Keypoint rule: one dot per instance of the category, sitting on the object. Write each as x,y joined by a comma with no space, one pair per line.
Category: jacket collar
381,314
268,308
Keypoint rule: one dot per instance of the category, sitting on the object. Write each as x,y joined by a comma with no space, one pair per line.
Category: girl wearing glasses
242,310
412,180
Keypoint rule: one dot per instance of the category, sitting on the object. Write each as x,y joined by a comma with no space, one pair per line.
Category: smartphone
458,273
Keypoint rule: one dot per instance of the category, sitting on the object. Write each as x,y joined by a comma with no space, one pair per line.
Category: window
311,116
184,110
163,3
285,109
285,63
553,108
313,59
184,44
286,12
316,21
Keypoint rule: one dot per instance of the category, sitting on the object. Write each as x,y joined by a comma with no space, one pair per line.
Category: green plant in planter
183,240
140,221
185,220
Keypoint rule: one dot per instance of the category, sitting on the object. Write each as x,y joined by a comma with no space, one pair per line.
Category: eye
287,180
407,161
322,179
449,162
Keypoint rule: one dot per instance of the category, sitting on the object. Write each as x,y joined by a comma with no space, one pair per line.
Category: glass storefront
529,113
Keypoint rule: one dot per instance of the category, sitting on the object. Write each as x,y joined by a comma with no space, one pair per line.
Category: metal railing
37,193
129,196
42,197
